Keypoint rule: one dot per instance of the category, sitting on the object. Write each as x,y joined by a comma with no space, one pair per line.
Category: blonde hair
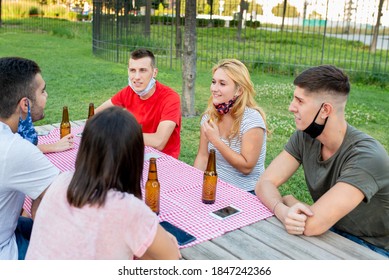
240,75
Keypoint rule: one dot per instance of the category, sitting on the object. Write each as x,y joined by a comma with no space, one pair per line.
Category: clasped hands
295,218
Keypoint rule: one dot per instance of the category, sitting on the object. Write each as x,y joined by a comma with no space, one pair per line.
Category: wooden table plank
292,246
50,127
206,251
79,122
246,247
337,245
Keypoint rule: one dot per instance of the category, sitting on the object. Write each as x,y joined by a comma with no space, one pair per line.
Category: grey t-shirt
361,161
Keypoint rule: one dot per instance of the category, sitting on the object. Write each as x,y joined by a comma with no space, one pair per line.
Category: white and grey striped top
251,119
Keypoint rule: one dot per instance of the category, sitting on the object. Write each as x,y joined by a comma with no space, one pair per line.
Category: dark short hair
324,78
17,76
141,53
110,156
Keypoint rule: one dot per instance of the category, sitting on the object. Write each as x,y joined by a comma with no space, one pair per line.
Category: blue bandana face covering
146,90
26,128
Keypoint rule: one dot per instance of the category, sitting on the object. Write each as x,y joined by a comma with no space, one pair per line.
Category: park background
83,55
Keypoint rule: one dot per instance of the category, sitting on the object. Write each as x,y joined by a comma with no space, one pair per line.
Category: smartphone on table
43,132
182,236
225,212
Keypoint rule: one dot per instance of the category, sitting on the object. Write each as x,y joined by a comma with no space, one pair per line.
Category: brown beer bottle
152,188
65,124
210,180
91,111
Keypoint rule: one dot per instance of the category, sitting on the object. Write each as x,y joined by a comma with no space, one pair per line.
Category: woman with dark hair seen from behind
97,212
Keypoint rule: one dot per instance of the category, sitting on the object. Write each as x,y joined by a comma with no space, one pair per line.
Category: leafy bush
81,17
370,78
253,24
34,11
72,16
14,10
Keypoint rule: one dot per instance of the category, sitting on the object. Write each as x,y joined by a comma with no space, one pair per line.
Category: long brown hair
110,156
239,73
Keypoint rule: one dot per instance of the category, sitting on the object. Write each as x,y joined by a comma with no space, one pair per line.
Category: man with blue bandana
24,170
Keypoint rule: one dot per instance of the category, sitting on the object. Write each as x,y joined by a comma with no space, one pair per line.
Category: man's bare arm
36,202
103,106
159,139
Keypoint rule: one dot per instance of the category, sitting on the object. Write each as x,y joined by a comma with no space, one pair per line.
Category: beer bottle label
64,131
152,195
209,187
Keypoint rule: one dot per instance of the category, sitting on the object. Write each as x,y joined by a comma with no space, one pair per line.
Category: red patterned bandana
224,108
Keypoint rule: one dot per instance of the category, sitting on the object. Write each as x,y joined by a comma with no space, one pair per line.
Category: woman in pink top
97,212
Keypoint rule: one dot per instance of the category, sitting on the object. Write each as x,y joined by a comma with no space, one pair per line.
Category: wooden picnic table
268,240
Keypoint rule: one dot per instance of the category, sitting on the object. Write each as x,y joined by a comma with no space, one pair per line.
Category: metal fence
265,34
310,33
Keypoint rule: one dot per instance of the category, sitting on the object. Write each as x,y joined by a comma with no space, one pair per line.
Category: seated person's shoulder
253,117
366,153
166,90
361,142
252,113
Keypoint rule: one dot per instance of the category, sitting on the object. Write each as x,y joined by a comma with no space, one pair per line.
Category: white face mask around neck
146,90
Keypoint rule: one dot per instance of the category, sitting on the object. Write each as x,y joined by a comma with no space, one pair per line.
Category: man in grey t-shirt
347,171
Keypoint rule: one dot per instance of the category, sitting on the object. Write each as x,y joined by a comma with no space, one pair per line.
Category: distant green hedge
200,22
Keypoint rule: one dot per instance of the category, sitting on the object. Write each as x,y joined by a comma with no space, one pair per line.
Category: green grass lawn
74,77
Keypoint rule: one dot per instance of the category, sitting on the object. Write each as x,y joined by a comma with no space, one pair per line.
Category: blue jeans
362,242
23,233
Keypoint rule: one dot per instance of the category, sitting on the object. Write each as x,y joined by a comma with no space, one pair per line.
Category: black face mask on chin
315,129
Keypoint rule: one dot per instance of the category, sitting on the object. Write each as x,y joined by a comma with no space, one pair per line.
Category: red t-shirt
163,105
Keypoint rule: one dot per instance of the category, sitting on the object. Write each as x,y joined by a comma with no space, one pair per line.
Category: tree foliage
291,11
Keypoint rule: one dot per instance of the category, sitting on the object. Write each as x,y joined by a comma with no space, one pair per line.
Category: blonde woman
234,125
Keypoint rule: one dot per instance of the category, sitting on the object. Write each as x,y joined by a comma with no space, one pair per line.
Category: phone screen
225,212
43,132
182,236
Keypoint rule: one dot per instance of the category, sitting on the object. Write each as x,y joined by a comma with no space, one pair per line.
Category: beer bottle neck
152,175
91,110
153,171
65,115
211,165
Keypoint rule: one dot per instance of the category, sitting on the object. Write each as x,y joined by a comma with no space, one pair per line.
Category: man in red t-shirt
156,106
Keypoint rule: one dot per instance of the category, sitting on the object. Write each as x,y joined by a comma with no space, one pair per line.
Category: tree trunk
189,60
210,24
305,13
240,20
0,11
373,45
127,9
96,25
283,14
148,19
178,29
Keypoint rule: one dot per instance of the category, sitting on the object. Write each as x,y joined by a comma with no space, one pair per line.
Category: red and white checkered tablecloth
64,161
181,186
